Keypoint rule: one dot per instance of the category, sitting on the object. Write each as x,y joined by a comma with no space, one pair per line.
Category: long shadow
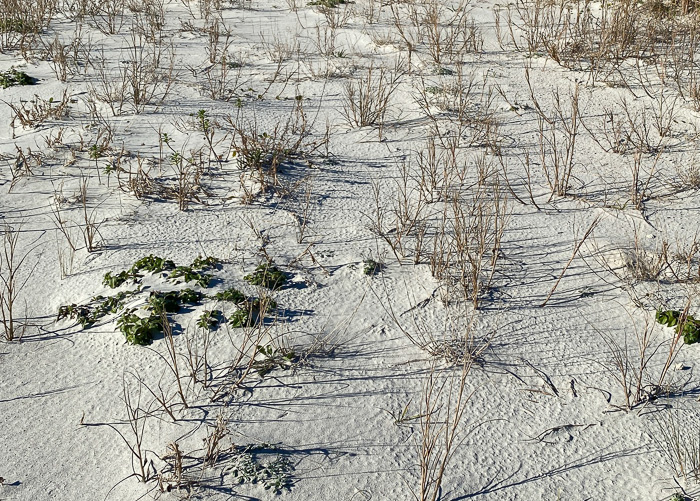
41,394
591,459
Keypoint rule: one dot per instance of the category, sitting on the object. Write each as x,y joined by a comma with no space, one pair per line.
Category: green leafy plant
251,312
100,306
189,296
269,358
274,475
267,275
233,295
163,302
209,319
371,267
689,327
153,264
205,263
190,275
12,77
139,330
240,318
83,314
114,281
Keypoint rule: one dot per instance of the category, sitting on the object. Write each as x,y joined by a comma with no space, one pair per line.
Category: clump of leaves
674,318
371,267
189,296
274,475
83,314
268,276
114,281
100,306
139,330
209,319
189,275
205,263
233,295
14,77
268,358
153,264
163,302
251,312
240,318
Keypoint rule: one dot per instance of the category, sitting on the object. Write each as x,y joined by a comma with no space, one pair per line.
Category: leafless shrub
221,79
371,10
188,171
638,364
219,40
687,174
403,226
449,32
213,441
138,182
149,18
644,264
11,282
108,15
407,25
557,136
21,23
444,400
23,163
145,79
91,226
641,181
68,58
678,438
326,40
262,154
466,246
461,111
336,17
367,98
279,49
35,112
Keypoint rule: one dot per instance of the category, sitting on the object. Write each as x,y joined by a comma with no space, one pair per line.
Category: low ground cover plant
251,466
269,276
99,307
688,325
233,295
159,304
139,330
13,77
210,319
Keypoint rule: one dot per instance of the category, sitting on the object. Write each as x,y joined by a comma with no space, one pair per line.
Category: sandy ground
354,371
